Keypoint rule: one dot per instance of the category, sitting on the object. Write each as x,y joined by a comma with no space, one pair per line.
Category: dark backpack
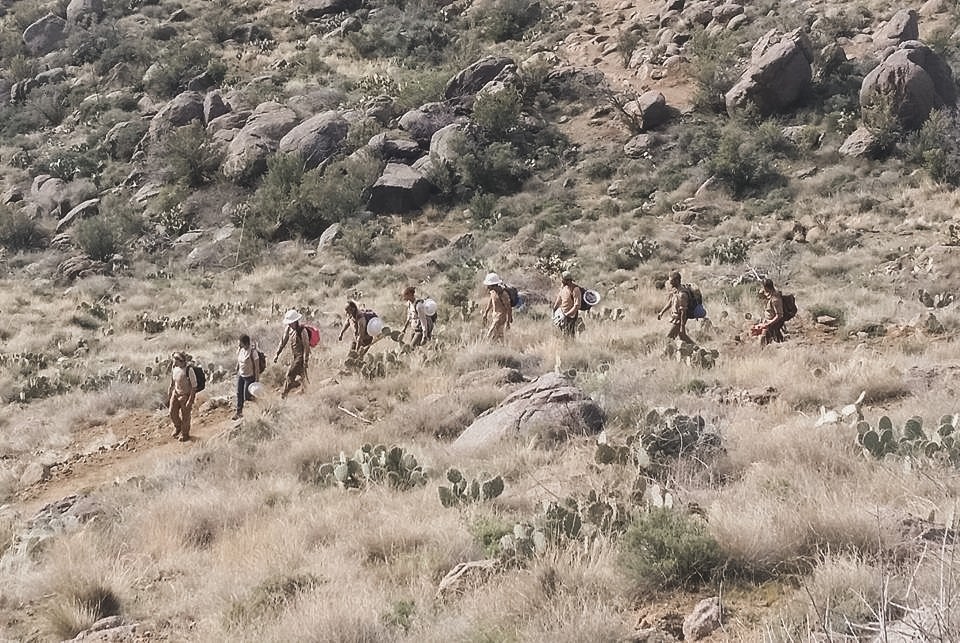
789,307
261,361
513,294
584,304
695,309
200,376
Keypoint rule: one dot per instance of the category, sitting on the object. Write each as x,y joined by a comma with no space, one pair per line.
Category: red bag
313,335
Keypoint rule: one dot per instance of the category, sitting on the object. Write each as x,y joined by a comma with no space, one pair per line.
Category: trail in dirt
140,439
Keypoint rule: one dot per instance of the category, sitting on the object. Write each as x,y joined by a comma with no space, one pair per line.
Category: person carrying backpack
566,307
299,338
679,305
357,318
771,329
248,372
417,318
181,396
499,304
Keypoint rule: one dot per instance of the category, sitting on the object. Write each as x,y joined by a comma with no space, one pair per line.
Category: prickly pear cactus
462,492
374,465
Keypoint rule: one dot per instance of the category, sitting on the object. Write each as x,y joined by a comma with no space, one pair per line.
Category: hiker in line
299,339
357,319
566,307
181,395
499,305
771,330
417,319
678,303
248,372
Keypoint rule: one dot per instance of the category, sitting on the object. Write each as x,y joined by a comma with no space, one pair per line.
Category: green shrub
414,33
712,69
496,168
936,147
729,250
174,67
742,165
97,237
666,549
368,243
18,231
72,163
502,20
498,114
190,155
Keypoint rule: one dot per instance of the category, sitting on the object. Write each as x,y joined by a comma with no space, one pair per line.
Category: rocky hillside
173,174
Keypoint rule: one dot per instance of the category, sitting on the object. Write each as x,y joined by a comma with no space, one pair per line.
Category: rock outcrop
914,80
247,153
472,79
779,74
45,35
399,189
425,121
315,139
550,407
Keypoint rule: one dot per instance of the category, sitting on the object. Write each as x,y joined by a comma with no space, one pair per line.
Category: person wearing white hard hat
299,338
248,372
419,319
566,307
499,305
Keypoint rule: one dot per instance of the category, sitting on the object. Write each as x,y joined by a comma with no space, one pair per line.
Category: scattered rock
247,153
84,12
85,209
443,148
64,516
315,139
399,189
425,121
34,473
391,147
903,26
214,106
473,570
649,110
314,9
861,143
45,35
473,78
640,145
550,406
182,110
915,79
778,76
827,320
928,324
495,377
705,618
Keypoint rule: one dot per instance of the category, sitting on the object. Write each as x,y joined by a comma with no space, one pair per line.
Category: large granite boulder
470,80
45,35
182,110
425,121
247,153
550,407
316,139
391,146
214,106
399,189
444,145
778,76
914,79
84,12
315,9
903,26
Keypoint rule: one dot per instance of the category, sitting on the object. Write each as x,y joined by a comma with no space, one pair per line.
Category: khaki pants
296,376
499,324
180,414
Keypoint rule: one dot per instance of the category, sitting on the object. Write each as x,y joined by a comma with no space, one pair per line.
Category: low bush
665,548
190,157
97,237
18,231
502,20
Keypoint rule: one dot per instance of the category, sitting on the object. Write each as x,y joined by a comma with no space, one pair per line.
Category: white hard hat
256,389
429,306
492,279
291,316
374,326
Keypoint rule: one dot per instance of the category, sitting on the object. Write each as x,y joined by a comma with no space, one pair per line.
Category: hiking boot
175,433
237,416
184,438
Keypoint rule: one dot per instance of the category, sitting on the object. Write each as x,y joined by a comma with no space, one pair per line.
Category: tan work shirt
679,304
774,309
300,344
568,300
499,301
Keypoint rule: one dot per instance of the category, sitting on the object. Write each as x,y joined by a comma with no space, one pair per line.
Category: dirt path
140,439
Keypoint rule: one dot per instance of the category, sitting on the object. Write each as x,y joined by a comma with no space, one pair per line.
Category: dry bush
845,596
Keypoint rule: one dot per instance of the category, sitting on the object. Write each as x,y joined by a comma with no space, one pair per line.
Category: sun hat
291,316
566,275
492,279
179,355
591,297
